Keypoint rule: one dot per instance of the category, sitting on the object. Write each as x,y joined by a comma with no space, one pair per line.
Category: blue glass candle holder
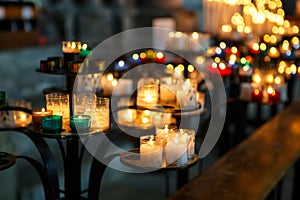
52,123
80,122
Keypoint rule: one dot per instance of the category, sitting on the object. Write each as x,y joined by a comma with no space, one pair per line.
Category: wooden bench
253,168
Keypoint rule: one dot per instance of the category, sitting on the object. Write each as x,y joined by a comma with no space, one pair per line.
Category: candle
186,96
37,116
151,152
126,116
257,95
176,150
274,96
167,90
71,51
52,123
80,122
102,114
190,142
147,95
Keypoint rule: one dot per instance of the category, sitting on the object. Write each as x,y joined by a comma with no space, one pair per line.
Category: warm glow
286,24
159,55
263,47
293,69
148,98
200,60
256,92
255,46
226,28
217,59
222,66
218,50
281,30
267,38
246,68
295,29
285,45
178,34
277,80
273,39
43,110
280,12
143,55
135,56
256,78
234,50
247,29
299,69
114,82
232,57
295,40
222,45
110,77
259,17
191,68
195,35
170,66
243,60
288,71
269,78
23,117
270,90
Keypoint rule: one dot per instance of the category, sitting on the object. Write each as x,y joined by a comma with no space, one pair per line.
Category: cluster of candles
88,113
168,90
168,147
181,41
75,59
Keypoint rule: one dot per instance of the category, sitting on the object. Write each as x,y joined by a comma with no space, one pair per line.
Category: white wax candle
151,154
176,151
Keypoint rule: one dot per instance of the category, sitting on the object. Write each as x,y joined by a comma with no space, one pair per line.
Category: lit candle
190,142
176,150
274,96
257,95
37,116
167,90
80,122
151,152
147,95
71,51
127,115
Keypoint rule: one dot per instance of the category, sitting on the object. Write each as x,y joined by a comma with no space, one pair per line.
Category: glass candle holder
52,123
102,114
80,122
37,116
191,136
151,151
71,51
147,94
176,150
127,116
58,102
167,90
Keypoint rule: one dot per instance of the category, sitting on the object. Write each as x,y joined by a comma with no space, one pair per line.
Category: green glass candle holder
52,123
80,122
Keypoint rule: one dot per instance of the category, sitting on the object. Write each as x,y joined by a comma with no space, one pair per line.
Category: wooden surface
252,169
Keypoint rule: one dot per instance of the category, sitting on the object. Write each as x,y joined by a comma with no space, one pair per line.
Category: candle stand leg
72,170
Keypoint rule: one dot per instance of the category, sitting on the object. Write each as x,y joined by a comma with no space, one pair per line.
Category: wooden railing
252,169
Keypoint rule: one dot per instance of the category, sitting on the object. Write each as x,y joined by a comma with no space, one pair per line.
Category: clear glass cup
102,114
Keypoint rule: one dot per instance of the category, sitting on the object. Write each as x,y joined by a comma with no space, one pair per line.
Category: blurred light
84,47
110,77
223,45
275,30
267,38
277,80
234,50
255,46
293,68
191,68
170,66
217,60
226,28
159,55
295,29
114,82
214,65
243,60
218,50
121,63
247,29
200,60
263,47
232,57
222,66
135,56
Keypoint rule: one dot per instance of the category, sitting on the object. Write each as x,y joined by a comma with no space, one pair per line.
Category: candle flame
43,109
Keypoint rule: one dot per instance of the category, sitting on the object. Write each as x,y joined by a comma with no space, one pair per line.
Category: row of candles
170,146
90,111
